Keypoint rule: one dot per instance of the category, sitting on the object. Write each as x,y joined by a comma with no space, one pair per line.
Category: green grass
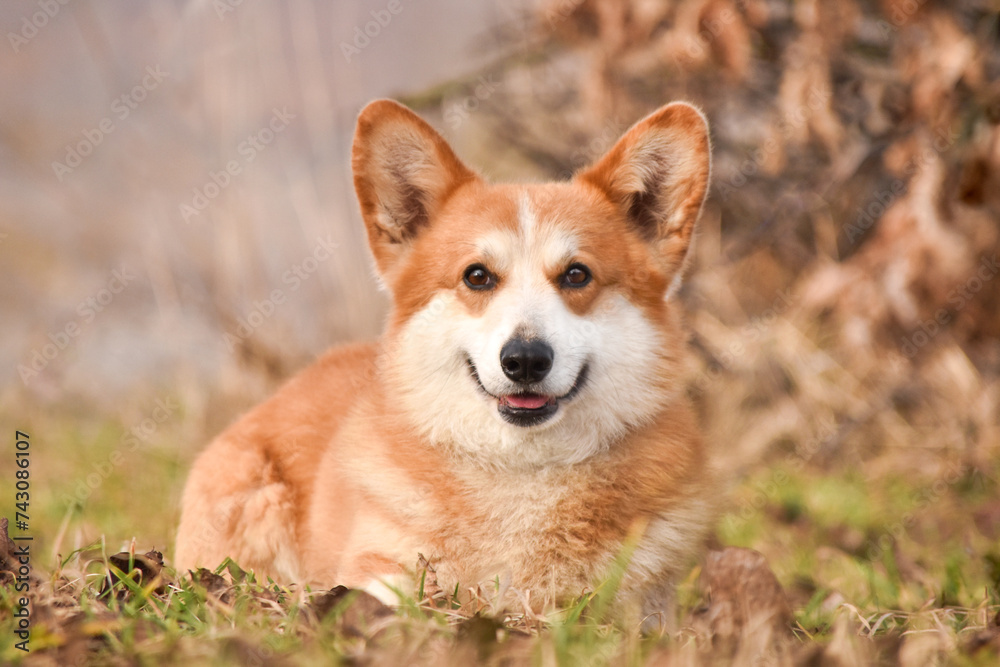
901,552
879,561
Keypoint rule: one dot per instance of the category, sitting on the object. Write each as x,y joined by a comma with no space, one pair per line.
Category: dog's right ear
403,173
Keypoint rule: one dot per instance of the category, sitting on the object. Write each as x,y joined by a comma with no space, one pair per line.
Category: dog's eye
478,278
577,275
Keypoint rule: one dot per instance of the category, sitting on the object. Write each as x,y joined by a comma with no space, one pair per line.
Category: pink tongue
529,401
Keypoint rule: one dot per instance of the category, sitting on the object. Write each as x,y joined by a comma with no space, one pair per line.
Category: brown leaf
361,614
748,614
215,584
146,570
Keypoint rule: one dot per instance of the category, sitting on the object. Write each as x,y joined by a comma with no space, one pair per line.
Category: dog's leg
247,517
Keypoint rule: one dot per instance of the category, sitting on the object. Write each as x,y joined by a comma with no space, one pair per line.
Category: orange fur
334,481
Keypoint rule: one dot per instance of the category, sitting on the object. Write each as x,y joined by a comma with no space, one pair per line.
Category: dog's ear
657,174
403,172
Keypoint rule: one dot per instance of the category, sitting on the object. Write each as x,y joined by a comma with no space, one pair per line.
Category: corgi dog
522,419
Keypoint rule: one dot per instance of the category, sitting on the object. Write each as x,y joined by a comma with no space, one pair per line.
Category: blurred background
178,234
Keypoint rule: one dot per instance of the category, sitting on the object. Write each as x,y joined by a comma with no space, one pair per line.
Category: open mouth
527,408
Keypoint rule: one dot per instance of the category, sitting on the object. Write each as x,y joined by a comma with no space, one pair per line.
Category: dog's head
531,323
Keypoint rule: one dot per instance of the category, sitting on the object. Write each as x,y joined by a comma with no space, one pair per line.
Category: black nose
526,361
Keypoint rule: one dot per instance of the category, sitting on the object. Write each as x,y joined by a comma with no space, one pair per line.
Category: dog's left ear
403,173
658,175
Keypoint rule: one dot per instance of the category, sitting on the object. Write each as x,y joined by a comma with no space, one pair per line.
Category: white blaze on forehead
531,251
526,218
551,245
